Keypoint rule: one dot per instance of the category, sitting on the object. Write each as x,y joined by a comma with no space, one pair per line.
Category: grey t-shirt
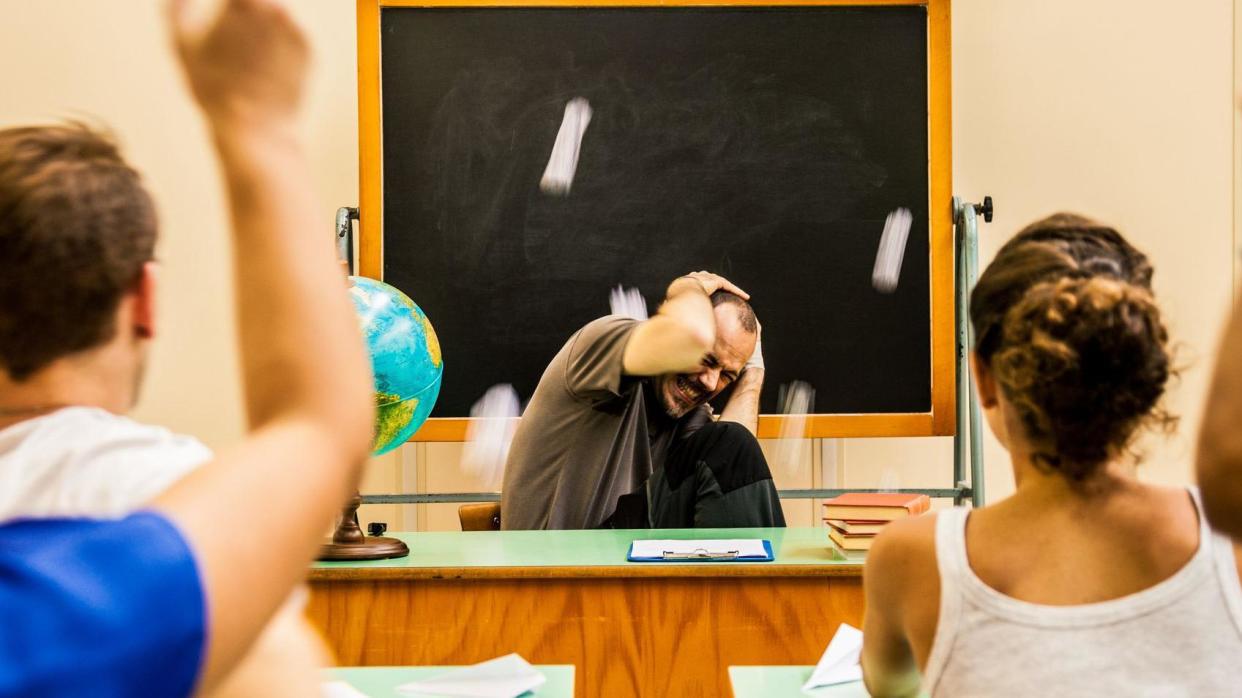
588,436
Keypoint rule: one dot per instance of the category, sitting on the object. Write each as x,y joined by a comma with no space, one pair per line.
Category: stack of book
855,518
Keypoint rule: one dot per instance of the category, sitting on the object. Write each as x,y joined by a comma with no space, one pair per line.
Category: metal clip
701,554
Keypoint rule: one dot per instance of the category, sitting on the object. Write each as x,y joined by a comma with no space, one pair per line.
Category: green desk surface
383,680
786,681
798,551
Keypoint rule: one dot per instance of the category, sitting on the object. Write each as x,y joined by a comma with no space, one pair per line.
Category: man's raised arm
307,384
1219,462
682,331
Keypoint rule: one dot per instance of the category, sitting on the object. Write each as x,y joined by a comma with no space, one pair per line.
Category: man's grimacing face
682,392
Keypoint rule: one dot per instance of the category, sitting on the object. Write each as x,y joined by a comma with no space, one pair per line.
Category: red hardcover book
850,543
856,528
882,506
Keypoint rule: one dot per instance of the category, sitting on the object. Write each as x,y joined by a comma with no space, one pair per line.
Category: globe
405,359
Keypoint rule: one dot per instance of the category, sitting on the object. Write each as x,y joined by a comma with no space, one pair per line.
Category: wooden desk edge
374,574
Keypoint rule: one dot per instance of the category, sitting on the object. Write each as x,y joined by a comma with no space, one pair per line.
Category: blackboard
767,144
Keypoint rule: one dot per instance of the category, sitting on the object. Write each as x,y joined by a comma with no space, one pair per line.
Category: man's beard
685,394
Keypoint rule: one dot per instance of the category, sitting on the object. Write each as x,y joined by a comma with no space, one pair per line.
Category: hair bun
1084,362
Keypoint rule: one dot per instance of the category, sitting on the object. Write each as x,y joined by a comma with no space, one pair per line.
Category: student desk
786,682
570,597
382,682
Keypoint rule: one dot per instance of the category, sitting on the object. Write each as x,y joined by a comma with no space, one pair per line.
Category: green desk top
798,551
786,681
383,681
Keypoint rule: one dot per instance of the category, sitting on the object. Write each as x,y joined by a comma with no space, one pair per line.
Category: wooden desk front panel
627,636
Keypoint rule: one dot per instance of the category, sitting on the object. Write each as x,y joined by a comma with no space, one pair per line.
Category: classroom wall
1057,105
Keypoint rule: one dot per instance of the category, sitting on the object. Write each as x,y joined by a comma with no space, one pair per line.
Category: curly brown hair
1066,321
76,227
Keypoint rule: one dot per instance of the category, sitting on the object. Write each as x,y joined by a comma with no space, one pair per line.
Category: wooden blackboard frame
940,421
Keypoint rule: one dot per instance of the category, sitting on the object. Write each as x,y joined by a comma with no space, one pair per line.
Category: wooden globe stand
350,543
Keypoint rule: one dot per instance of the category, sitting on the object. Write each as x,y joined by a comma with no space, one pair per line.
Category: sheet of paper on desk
840,661
745,547
339,689
504,677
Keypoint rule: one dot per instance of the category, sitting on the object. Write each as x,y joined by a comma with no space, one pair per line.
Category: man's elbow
699,339
691,320
689,343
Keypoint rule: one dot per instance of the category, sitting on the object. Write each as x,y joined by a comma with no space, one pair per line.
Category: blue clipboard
703,555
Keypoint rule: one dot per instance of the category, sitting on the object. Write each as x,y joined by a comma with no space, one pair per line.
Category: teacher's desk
570,597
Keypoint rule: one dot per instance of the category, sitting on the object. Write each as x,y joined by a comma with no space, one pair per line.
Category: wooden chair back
479,517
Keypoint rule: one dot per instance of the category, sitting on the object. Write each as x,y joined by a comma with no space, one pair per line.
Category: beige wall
1115,108
109,63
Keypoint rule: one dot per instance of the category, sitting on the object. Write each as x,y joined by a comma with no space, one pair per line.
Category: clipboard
708,552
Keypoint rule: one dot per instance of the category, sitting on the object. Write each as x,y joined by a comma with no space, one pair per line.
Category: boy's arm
306,378
1219,461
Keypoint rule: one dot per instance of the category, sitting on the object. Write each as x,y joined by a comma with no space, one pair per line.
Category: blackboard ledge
771,426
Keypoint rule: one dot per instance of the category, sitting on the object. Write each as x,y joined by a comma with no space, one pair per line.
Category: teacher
619,433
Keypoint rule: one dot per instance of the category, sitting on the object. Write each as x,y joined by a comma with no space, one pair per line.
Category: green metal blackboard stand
966,271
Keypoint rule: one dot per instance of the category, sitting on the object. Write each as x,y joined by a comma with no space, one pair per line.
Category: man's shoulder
589,366
603,327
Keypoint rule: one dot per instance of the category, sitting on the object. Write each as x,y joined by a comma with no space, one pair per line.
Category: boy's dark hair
76,227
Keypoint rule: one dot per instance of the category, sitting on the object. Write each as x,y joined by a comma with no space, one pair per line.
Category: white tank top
1181,637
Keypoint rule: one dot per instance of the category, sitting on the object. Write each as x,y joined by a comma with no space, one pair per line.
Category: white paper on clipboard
656,549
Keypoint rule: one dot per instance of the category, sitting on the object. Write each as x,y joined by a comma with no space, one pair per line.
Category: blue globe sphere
405,359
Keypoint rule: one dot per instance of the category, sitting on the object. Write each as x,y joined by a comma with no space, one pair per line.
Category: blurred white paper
892,249
558,177
504,677
796,401
745,547
493,422
840,661
627,302
339,689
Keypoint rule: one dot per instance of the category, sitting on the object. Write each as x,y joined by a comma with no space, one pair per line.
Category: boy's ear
144,300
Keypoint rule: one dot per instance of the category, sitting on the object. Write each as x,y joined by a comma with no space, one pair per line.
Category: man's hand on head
707,281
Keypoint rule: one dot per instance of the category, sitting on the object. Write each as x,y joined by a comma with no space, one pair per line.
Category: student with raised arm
619,433
1086,581
165,601
1219,462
